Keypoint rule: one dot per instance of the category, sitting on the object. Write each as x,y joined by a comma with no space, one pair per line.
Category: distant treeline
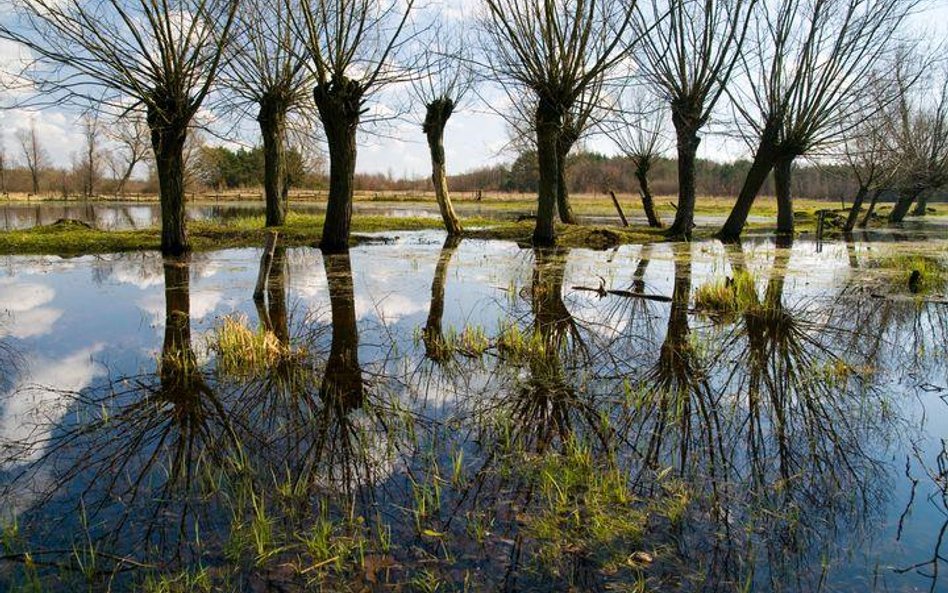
216,168
590,172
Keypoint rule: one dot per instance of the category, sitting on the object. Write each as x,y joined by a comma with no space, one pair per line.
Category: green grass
73,239
300,229
898,267
724,298
244,352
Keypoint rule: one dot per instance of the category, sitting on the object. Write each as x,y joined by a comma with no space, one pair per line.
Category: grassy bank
77,239
71,238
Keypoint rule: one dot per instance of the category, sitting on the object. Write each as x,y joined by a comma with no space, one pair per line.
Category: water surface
447,394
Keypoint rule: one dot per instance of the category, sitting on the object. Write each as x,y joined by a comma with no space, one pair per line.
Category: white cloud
24,313
37,403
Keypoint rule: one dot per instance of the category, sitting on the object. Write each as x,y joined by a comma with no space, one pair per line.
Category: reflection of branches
939,478
544,404
677,381
137,458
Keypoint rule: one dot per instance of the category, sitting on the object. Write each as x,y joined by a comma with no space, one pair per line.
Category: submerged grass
725,298
244,352
919,273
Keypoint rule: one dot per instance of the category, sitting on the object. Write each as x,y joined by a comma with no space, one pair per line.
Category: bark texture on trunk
763,163
901,208
921,205
871,209
686,119
564,143
168,135
272,120
340,106
783,170
648,204
854,211
548,123
436,117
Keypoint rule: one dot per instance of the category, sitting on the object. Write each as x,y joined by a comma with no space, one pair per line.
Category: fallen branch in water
626,294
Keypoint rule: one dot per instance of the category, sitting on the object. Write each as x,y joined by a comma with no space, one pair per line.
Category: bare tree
130,132
581,119
441,85
89,167
265,70
4,163
922,143
640,136
164,57
689,56
554,50
804,79
34,155
354,49
867,149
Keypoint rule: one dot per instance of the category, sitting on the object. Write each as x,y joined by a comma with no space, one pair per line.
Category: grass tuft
244,352
725,298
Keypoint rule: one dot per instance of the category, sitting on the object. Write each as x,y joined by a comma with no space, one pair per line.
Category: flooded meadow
426,414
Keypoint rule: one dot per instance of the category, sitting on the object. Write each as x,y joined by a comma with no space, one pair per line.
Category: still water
118,215
467,417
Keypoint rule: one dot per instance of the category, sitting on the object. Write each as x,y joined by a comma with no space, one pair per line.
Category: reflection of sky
73,320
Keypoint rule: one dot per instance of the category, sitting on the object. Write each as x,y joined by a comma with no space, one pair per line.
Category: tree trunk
272,120
783,169
921,205
564,144
548,123
436,117
167,141
648,204
854,211
871,209
901,208
340,106
756,176
688,141
120,188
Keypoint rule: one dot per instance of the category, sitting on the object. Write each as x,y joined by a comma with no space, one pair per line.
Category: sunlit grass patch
918,273
585,508
245,352
196,581
724,298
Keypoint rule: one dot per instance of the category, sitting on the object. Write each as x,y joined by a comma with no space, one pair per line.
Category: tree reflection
272,309
774,384
433,334
138,455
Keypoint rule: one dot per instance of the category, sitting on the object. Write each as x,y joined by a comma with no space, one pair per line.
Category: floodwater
119,215
466,417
